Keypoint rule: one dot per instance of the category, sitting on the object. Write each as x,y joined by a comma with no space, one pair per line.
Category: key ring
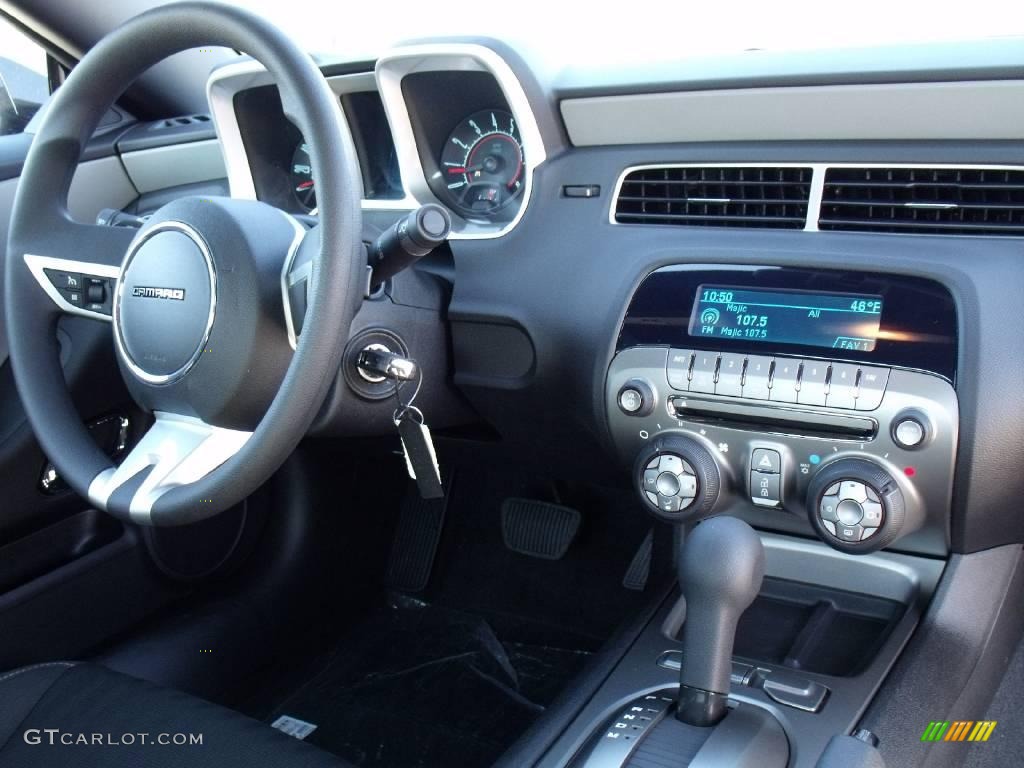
409,410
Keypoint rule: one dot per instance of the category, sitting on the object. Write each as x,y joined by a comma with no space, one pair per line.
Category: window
23,82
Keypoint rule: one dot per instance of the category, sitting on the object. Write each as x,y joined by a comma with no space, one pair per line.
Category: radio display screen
835,320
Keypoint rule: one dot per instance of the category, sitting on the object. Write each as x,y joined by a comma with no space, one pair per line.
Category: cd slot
772,418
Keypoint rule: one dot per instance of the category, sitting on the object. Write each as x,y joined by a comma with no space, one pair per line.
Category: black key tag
420,458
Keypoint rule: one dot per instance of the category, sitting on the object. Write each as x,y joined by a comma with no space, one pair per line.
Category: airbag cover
165,304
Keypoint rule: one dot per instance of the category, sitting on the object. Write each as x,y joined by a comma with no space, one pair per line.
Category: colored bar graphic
958,730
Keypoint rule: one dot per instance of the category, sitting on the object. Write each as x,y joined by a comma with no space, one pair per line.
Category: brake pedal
537,528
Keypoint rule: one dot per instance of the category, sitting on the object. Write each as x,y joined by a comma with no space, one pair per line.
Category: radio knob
856,506
678,479
908,432
636,398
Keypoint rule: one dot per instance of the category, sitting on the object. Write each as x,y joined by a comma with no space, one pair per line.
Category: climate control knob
856,506
678,479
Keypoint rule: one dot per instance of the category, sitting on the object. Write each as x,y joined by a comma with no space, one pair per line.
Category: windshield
574,33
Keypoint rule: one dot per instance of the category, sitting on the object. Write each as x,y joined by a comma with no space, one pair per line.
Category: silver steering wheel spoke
177,450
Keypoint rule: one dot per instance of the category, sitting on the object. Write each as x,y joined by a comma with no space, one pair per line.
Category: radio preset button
812,383
755,381
702,375
785,380
730,375
842,386
871,388
679,361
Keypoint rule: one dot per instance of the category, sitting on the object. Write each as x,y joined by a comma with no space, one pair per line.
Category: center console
802,401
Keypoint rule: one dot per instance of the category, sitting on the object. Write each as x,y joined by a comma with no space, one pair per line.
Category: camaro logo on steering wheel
146,292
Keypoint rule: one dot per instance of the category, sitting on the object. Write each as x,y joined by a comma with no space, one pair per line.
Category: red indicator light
909,471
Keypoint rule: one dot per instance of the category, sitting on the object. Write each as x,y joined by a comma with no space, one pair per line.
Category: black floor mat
418,686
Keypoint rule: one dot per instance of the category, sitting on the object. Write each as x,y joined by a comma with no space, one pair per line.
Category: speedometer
482,163
302,177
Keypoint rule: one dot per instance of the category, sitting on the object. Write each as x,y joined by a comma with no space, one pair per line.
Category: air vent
944,201
715,196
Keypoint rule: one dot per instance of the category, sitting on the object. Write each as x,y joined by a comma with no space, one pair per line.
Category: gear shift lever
721,566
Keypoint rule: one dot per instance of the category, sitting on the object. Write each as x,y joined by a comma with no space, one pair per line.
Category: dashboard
756,265
464,139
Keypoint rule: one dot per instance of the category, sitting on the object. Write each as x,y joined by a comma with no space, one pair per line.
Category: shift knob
721,567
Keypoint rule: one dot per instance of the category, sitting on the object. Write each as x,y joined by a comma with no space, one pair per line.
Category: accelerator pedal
414,548
640,567
537,528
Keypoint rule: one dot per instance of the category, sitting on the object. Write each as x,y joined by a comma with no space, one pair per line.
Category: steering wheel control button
849,512
668,484
871,388
165,306
756,377
679,362
765,489
64,280
909,433
72,296
636,398
730,375
702,375
766,460
785,380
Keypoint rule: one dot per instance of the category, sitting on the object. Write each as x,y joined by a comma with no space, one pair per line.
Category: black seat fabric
87,704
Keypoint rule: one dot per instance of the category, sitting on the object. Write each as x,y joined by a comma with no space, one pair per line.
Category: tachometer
302,177
482,163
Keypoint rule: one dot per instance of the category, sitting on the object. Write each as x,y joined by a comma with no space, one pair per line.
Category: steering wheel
199,294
